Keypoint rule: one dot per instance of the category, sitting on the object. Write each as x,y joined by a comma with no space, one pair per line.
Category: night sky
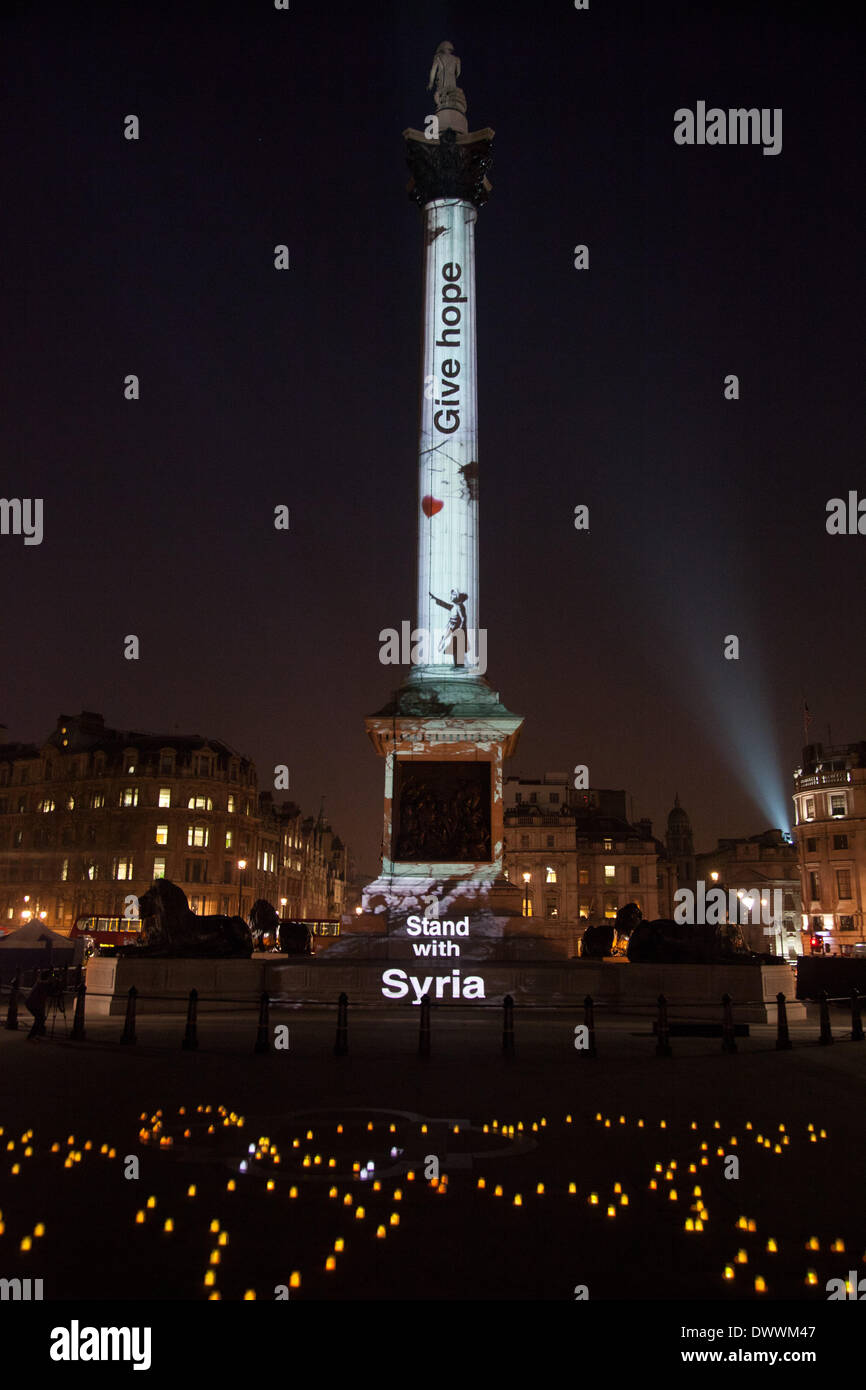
603,387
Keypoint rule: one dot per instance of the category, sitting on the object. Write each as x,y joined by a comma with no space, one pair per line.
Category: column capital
454,166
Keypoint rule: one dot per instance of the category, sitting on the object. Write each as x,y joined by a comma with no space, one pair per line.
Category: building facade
761,869
830,834
91,817
576,856
680,843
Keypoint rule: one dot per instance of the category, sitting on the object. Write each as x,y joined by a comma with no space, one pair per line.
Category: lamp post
242,864
526,881
29,913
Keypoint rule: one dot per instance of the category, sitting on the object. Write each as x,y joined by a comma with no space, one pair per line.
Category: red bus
105,933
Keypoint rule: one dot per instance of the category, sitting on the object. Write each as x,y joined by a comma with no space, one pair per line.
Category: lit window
550,875
610,871
231,806
230,836
97,801
91,871
165,797
129,797
552,908
159,867
197,836
162,834
200,803
46,805
70,803
123,868
64,871
608,844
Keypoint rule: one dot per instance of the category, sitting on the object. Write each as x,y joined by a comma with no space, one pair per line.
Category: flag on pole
807,719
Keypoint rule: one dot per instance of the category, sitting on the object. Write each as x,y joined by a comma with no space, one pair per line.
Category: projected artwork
455,606
448,446
442,811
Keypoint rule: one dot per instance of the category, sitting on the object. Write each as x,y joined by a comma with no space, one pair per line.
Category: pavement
547,1172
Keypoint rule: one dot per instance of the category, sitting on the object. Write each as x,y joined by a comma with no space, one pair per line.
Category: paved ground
665,1121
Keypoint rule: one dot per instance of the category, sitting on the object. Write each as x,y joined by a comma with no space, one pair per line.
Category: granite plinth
616,986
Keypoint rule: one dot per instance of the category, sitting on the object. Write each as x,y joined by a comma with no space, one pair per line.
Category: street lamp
242,864
526,881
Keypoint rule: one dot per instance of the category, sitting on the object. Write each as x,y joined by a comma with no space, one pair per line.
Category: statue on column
443,79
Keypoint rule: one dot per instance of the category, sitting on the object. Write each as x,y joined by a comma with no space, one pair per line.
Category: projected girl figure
456,624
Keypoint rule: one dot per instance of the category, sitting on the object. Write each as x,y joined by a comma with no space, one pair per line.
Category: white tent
35,945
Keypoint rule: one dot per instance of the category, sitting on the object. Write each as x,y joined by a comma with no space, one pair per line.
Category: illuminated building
94,815
585,859
830,835
760,866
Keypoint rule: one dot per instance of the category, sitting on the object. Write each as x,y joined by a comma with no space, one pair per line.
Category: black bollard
856,1021
78,1034
190,1037
783,1041
589,1024
663,1046
729,1042
826,1034
128,1034
424,1028
508,1026
12,1011
262,1040
341,1046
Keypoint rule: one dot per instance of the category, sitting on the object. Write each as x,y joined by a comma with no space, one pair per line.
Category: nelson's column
445,733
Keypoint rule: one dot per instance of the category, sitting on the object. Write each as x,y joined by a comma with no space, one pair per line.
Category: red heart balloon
431,505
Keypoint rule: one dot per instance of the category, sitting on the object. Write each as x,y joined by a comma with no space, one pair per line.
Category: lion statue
169,928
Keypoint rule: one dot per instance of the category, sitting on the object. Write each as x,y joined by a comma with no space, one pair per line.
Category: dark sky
602,387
